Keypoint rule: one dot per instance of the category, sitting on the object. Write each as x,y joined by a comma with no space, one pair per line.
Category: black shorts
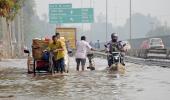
81,60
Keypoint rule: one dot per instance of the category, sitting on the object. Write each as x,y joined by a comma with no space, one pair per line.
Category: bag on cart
46,55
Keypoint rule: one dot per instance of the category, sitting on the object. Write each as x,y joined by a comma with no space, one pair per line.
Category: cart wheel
28,70
34,67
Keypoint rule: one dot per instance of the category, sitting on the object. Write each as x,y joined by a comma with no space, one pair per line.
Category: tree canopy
9,8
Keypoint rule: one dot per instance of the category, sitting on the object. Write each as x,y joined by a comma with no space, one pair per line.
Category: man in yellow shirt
66,58
57,47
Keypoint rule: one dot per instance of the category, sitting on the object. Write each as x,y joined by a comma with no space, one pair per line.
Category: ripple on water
88,85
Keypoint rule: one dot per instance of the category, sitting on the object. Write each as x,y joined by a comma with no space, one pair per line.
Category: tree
1,35
9,9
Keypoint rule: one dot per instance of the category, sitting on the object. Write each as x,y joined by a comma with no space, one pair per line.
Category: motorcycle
115,59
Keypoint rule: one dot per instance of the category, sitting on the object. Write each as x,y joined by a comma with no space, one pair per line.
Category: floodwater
140,82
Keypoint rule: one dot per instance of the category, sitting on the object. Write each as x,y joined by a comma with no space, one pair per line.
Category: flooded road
140,82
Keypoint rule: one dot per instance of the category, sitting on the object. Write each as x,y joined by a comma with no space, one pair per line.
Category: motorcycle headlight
116,57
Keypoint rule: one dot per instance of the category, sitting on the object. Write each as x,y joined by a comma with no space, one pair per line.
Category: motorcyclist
115,46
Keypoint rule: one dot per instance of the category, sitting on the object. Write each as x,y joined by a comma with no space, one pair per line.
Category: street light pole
90,3
106,18
130,21
82,26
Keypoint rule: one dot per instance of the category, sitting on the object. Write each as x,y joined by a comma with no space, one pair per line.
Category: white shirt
82,47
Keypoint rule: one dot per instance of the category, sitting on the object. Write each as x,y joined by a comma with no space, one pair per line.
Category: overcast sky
118,10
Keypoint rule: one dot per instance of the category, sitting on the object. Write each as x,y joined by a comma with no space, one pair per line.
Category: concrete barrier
137,60
150,53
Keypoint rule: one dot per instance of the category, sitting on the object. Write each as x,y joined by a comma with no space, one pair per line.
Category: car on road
152,43
155,43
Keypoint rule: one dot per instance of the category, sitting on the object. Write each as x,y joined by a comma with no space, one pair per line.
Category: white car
155,43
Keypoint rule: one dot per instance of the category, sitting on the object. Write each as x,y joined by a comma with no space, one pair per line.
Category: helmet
114,36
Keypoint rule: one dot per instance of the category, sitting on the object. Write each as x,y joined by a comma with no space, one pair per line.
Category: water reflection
138,83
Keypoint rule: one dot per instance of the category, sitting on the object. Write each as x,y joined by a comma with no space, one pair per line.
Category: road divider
137,60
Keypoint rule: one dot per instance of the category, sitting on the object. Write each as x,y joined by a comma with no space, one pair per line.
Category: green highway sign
58,6
73,11
71,19
62,14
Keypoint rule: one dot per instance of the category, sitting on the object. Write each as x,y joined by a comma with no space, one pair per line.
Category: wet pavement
140,82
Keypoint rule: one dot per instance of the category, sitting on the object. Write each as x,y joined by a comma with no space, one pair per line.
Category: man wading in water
81,52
